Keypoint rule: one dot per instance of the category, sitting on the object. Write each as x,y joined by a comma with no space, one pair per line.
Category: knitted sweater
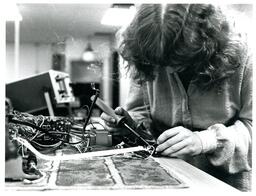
222,117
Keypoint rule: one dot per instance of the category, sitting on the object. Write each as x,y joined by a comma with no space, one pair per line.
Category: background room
78,39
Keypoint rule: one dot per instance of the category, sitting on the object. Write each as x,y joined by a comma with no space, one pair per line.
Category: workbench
118,173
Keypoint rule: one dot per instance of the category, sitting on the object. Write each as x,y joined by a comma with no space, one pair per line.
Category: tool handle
108,110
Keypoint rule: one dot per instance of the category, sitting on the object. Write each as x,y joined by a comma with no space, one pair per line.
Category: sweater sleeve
229,147
137,104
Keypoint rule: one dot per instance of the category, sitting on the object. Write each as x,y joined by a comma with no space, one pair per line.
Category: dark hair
195,35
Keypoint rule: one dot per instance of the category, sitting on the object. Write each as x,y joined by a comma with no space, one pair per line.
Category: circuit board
112,172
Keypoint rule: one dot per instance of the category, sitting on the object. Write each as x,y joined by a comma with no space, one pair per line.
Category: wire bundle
47,133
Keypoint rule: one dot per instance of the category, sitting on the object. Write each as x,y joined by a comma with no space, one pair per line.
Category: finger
167,134
170,142
122,112
181,152
176,147
109,127
110,124
114,131
119,111
107,118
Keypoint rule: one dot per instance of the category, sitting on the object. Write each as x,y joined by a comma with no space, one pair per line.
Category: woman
191,87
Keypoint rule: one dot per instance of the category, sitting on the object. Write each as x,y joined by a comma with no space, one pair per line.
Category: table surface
194,177
61,179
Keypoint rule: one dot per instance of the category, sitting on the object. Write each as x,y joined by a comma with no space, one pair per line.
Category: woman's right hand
111,125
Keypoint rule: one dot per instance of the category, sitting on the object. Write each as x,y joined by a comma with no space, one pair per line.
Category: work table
117,172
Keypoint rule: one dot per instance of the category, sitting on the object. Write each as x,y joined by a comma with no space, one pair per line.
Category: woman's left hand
179,141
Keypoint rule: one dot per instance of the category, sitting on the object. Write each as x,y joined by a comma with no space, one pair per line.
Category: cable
87,108
38,131
97,92
74,143
34,136
96,122
28,124
35,127
81,155
58,132
92,124
47,146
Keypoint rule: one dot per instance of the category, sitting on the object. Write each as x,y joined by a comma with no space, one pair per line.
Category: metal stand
48,103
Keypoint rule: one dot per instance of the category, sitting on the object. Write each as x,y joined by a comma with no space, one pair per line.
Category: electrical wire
96,122
34,129
97,92
37,133
50,133
92,124
47,146
81,155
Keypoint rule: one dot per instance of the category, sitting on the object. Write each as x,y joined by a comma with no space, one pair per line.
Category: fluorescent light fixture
118,16
12,12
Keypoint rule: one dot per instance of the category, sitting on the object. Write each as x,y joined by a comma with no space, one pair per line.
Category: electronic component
50,133
41,131
47,133
39,92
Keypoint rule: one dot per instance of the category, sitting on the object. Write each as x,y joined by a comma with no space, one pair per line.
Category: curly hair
181,35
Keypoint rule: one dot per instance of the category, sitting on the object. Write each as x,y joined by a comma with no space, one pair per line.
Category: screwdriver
120,120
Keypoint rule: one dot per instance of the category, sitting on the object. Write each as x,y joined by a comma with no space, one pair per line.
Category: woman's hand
111,124
179,141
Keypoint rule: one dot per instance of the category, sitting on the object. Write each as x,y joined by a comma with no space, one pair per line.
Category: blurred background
79,39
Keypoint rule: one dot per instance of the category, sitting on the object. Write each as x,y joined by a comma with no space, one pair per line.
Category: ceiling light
119,15
11,12
88,54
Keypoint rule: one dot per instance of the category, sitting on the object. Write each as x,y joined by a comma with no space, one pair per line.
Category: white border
102,192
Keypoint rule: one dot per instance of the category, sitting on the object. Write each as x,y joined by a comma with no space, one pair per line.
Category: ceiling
48,23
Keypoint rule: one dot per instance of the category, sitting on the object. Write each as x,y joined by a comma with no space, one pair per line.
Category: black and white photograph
121,96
